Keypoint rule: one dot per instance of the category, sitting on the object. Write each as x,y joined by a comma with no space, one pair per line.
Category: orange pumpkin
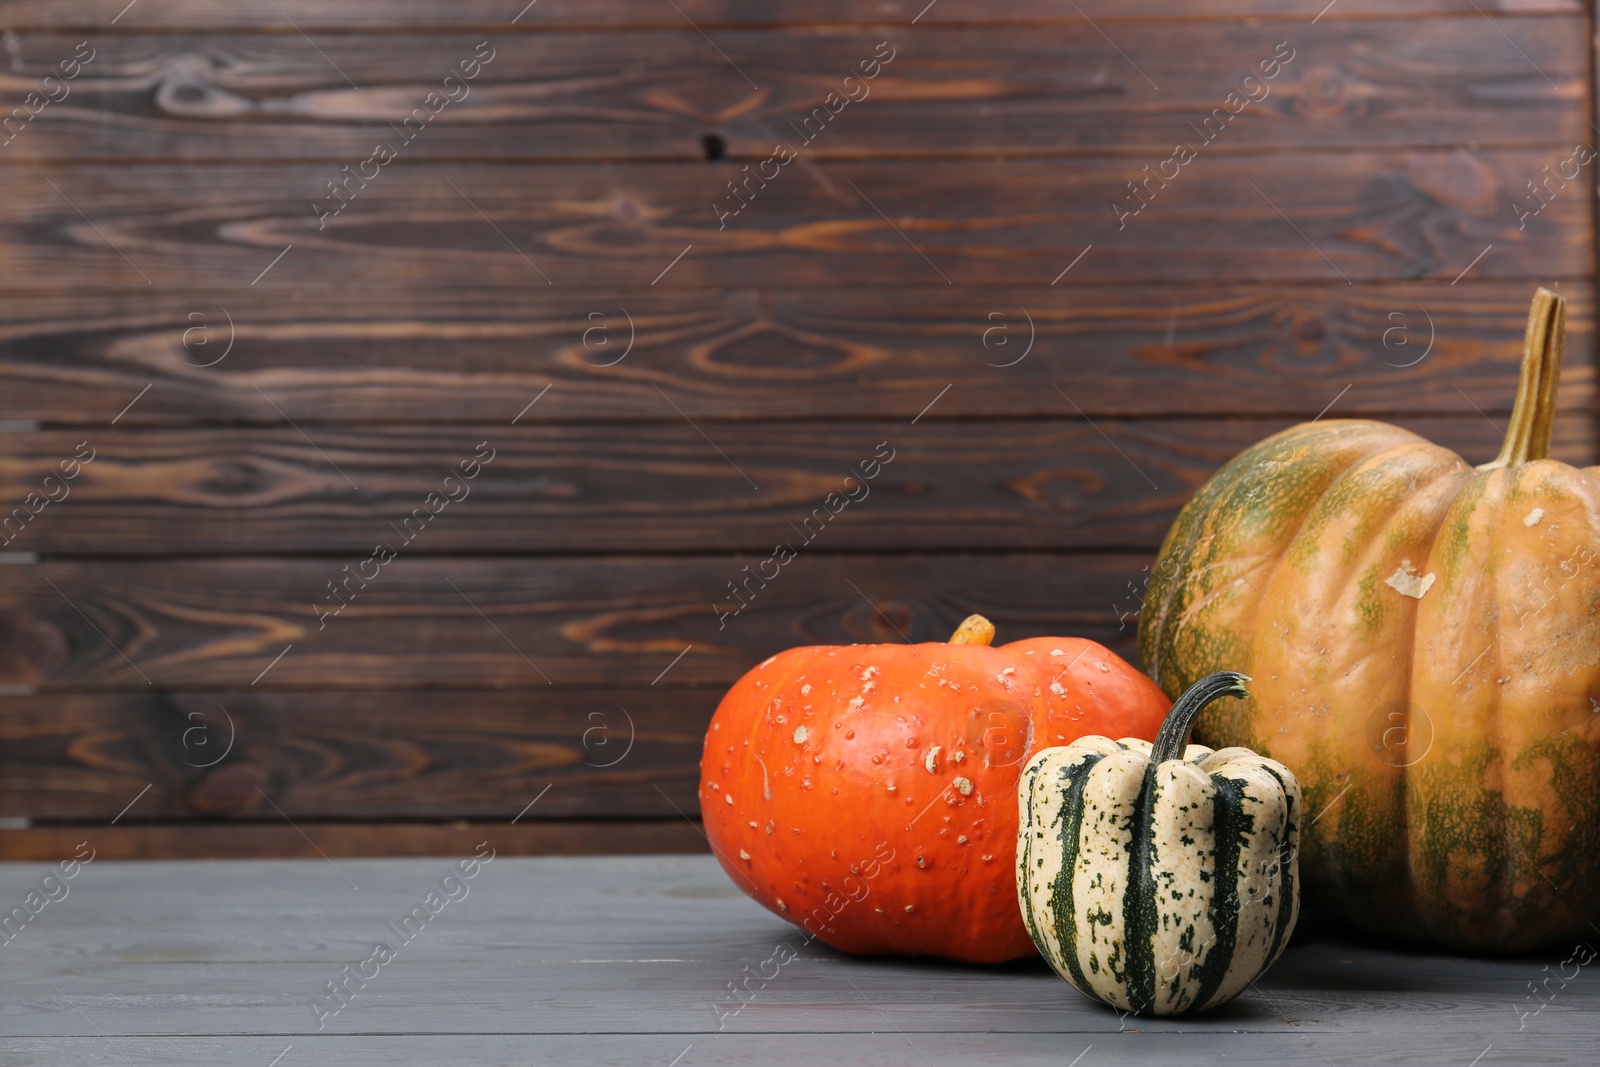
1424,639
868,793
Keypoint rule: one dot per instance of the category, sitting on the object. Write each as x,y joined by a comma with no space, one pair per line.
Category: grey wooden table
632,961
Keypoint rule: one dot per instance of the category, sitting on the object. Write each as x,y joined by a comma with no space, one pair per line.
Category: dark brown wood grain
480,356
945,92
516,623
264,756
505,15
239,839
1340,217
1064,483
1360,242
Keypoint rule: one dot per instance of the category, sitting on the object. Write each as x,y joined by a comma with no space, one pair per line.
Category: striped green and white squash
1158,884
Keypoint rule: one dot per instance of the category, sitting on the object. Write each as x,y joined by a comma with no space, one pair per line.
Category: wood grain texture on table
782,14
633,960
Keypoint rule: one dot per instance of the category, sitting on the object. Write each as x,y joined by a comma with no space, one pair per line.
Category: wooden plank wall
654,379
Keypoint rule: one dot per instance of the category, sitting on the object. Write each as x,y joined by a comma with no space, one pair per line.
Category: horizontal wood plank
1293,216
431,755
239,840
1060,484
108,16
630,960
1460,1034
945,92
520,623
415,355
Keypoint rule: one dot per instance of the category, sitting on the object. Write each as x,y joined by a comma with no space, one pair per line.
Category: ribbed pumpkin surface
1160,888
868,792
1424,639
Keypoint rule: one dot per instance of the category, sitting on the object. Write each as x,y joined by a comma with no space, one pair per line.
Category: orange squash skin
1446,736
868,793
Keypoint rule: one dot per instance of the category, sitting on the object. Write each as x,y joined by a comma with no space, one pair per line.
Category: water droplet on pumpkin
849,735
799,735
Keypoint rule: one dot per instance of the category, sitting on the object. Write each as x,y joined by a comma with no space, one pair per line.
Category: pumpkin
1159,879
867,792
1425,642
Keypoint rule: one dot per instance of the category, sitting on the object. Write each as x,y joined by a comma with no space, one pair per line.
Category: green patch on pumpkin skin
1454,541
1573,768
1359,874
1228,723
1491,880
1368,604
1259,499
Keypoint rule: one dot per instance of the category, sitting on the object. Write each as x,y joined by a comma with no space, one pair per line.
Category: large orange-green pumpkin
868,793
1424,639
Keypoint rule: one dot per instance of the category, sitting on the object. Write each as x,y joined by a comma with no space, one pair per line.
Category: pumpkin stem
974,630
1174,732
1528,436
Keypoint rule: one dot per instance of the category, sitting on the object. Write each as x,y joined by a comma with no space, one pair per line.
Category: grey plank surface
630,960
